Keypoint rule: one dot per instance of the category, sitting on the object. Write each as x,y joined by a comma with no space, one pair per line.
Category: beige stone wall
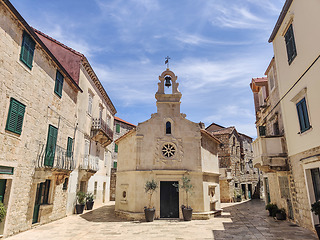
35,89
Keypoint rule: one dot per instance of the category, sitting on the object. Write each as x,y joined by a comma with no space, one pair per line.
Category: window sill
305,131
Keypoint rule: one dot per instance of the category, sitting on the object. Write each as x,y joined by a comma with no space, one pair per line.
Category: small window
90,104
95,188
65,184
116,147
59,84
303,115
262,130
168,127
15,116
69,147
290,44
27,50
271,80
115,164
118,128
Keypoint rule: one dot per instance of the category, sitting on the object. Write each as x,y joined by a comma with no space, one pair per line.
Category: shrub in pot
272,208
315,207
187,187
89,201
149,212
281,214
81,200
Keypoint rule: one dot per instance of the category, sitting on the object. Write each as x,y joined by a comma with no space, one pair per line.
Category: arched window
168,127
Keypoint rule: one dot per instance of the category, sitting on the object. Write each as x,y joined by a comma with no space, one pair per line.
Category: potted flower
150,187
281,214
315,207
272,208
81,199
3,211
187,187
89,201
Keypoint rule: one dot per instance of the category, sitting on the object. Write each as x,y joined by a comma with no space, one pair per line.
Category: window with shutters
15,116
290,44
90,104
303,115
116,147
58,84
27,50
51,146
45,191
118,128
284,187
69,147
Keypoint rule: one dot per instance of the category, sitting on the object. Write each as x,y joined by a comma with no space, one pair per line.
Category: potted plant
272,208
3,211
315,207
187,187
81,199
281,214
149,212
89,201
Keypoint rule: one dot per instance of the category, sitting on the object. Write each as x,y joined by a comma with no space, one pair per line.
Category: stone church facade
166,148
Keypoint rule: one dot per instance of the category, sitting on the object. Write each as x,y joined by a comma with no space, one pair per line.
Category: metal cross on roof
167,61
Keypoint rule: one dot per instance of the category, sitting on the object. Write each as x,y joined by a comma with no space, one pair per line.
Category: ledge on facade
101,132
56,159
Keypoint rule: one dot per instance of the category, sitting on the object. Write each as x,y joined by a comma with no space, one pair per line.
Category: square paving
246,220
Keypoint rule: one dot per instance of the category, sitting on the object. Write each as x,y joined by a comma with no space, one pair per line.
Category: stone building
93,134
38,107
165,148
295,40
270,154
120,128
237,176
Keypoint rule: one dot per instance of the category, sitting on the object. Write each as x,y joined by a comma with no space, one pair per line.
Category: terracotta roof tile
121,120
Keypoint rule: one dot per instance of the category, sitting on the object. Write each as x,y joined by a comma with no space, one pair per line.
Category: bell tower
168,104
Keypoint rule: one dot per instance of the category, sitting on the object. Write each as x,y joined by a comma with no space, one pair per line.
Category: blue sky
215,46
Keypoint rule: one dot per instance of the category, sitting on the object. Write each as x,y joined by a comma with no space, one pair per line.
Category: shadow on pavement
103,214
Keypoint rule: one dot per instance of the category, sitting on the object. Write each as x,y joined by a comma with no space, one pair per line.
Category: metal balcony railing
89,163
101,132
56,158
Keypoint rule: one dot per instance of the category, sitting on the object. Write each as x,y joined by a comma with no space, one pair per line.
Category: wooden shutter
15,116
118,128
27,50
69,147
303,115
290,44
58,84
116,147
51,146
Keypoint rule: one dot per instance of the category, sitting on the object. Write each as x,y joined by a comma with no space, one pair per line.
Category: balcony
101,132
56,159
89,163
269,153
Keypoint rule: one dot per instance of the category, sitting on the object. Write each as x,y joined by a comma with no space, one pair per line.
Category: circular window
168,150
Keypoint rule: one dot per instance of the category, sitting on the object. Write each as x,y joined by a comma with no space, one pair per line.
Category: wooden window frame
58,84
27,50
15,116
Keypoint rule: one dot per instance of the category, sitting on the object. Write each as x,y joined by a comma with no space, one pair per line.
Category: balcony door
51,146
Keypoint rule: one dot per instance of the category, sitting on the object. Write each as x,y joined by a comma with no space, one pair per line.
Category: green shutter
58,84
69,147
303,115
15,116
114,164
27,50
118,128
116,147
51,146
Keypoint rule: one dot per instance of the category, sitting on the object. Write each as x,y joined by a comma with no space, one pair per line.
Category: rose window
168,150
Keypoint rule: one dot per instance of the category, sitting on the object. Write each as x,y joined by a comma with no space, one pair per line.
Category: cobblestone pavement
247,220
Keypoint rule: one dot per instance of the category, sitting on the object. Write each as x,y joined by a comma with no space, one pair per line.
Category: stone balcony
89,163
56,159
101,132
269,153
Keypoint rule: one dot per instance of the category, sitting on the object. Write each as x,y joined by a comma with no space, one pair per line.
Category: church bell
168,83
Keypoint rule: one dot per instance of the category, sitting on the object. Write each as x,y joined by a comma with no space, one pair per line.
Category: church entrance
169,200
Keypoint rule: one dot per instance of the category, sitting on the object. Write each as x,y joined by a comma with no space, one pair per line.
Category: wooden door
169,200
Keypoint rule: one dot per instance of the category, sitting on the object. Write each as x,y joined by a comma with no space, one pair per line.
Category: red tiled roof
121,120
262,79
227,130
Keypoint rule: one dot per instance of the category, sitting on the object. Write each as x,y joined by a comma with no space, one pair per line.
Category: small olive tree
150,187
3,211
186,186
